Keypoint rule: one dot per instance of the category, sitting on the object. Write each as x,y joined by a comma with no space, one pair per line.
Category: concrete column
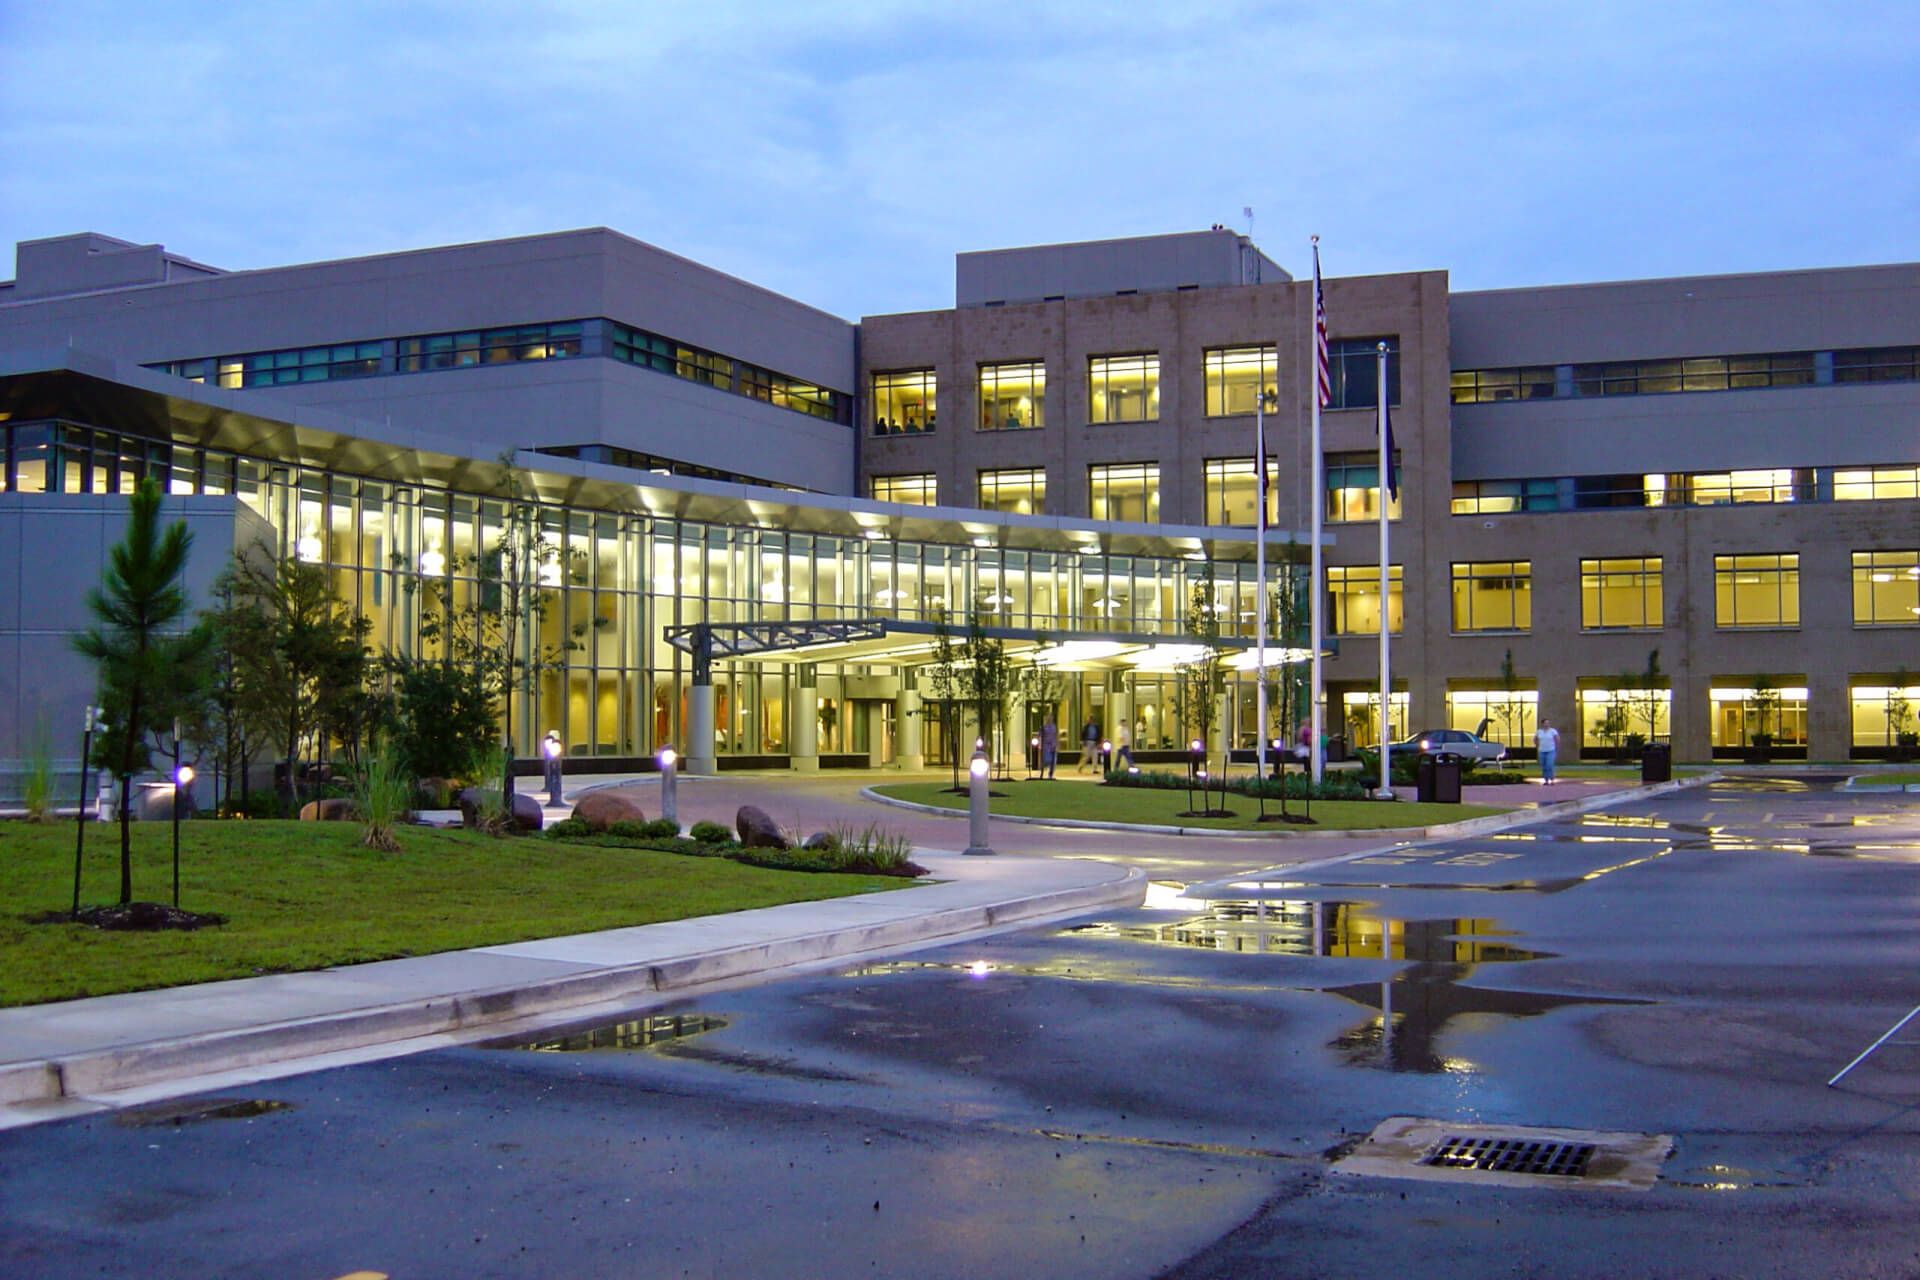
1829,716
699,753
906,725
805,756
876,732
1119,712
1221,730
1016,749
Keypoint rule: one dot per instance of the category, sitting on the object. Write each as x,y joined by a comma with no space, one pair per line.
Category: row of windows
557,340
1126,388
1750,591
1352,481
1686,489
653,463
1692,373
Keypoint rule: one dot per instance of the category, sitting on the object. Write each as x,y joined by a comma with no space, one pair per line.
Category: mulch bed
145,917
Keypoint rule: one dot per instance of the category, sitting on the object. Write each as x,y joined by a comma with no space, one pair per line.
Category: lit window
1354,600
1353,365
1360,716
1487,386
1867,484
1707,489
1621,594
1886,715
1493,595
1886,588
914,490
1232,492
1498,497
1353,486
1021,492
490,346
1124,491
1628,717
1759,715
1756,591
1235,375
1124,388
903,402
1496,714
1013,397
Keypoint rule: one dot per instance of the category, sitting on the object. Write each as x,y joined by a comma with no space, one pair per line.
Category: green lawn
1903,778
304,895
1162,808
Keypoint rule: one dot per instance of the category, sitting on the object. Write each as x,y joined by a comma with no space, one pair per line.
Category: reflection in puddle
637,1033
1417,1004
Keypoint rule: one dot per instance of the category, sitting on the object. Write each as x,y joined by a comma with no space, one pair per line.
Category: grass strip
1145,807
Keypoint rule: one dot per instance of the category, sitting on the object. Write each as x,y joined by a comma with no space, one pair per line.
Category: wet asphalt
1143,1093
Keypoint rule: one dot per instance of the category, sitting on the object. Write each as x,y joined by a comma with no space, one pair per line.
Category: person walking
1089,747
1049,746
1123,747
1546,742
553,751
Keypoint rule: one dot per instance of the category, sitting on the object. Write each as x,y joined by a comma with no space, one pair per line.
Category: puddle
1335,930
195,1110
636,1033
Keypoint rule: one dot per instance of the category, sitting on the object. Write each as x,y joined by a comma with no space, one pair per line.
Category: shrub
628,829
381,791
571,829
659,827
706,832
39,779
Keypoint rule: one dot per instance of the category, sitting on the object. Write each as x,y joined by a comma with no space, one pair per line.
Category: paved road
1148,1093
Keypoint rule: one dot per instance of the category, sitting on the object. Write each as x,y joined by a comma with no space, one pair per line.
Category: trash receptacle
1656,762
1437,779
1337,749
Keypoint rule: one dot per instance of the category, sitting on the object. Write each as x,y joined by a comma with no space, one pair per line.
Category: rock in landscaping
336,809
526,809
601,809
821,840
758,830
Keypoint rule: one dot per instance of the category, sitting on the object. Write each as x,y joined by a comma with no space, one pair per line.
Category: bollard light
1033,755
977,772
181,776
669,785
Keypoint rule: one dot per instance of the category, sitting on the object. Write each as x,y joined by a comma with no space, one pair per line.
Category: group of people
1090,761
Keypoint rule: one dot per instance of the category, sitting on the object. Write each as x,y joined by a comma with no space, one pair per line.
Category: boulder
821,840
335,809
526,809
758,830
601,809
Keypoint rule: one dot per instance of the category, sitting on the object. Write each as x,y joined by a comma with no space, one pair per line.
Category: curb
1465,827
157,1061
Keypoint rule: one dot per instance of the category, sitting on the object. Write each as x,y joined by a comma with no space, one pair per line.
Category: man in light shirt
1546,741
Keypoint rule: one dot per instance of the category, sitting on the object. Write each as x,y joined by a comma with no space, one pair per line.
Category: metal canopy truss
902,642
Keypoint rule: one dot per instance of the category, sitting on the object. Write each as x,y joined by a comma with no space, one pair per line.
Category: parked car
1451,742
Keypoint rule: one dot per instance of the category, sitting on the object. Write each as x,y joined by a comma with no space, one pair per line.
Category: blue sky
843,152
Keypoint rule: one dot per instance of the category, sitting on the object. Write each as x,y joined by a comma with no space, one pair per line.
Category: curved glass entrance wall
396,549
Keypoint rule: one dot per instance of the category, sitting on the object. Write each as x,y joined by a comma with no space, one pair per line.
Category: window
1360,717
1886,588
200,370
1609,717
1496,497
1485,386
1630,490
1621,594
1882,713
1866,484
1495,714
1708,489
1355,373
489,346
304,364
914,491
1354,600
1234,375
1124,388
903,402
1493,595
783,392
1756,591
1760,714
649,351
1013,397
1124,491
1022,492
1232,491
1877,364
1353,486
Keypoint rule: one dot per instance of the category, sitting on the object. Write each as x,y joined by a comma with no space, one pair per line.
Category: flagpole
1385,790
1260,566
1316,501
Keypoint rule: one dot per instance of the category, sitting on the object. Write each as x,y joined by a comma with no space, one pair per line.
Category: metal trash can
1656,762
1437,779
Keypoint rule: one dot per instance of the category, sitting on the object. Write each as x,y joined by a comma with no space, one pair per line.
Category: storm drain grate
1506,1155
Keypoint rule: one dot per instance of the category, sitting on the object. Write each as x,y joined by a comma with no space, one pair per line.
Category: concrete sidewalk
79,1055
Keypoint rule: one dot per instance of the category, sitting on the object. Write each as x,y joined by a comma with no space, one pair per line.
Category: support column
906,726
1016,748
805,757
876,732
1223,733
699,753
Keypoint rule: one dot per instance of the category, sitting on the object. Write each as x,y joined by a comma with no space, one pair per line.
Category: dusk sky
842,153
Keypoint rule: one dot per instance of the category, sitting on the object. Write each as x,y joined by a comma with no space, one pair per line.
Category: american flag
1323,376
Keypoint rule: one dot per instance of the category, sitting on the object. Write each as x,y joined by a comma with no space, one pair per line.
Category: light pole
670,785
92,721
181,777
977,772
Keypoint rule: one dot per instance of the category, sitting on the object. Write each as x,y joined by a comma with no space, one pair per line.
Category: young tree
1900,733
1201,680
1040,684
1513,708
1287,696
989,676
149,668
1763,702
1648,683
227,724
443,717
943,674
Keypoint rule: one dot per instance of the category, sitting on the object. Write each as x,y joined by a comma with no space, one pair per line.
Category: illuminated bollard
977,804
670,785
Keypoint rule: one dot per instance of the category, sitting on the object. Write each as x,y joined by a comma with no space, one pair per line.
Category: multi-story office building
1067,455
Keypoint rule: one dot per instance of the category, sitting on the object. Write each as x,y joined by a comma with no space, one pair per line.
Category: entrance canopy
894,642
